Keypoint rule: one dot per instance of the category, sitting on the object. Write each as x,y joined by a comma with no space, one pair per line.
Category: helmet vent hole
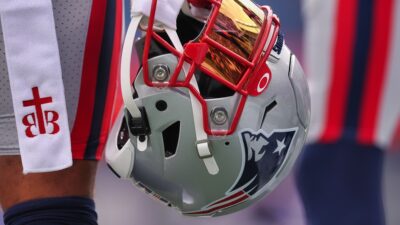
268,108
171,138
161,105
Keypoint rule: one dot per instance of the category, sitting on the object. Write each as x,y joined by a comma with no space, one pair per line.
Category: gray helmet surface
251,161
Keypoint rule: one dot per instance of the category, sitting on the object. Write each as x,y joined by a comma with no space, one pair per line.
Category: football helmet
216,106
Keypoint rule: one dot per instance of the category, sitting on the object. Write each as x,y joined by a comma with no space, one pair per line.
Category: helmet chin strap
203,148
126,87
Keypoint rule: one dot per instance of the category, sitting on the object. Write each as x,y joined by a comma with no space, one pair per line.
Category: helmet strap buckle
139,127
205,154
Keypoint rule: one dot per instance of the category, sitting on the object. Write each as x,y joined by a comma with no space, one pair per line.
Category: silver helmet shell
251,161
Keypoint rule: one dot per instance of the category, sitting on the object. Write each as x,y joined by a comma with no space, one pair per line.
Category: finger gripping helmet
216,106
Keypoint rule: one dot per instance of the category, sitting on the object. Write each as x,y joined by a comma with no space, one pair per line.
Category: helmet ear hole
171,138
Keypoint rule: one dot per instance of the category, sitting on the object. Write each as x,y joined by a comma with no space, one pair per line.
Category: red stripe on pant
342,52
376,70
82,125
113,91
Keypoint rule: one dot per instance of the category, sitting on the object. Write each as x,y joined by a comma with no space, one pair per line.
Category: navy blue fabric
358,73
53,211
341,184
127,14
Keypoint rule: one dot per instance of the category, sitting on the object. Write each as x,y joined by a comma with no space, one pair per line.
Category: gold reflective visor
236,29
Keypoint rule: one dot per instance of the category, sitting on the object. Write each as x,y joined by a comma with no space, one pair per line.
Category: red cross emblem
40,121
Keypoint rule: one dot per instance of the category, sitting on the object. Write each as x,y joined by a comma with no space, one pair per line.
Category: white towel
36,84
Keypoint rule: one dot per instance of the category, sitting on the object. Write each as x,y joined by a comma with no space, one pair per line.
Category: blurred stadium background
119,203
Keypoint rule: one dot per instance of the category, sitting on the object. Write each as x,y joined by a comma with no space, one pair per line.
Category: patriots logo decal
263,155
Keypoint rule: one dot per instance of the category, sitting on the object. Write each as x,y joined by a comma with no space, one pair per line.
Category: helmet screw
219,116
161,72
